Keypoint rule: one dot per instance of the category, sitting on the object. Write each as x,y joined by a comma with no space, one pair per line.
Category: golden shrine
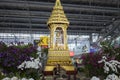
58,52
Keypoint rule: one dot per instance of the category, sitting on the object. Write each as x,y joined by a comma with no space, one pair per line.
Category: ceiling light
113,19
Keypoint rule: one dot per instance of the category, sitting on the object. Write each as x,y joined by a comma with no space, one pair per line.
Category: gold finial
58,15
58,3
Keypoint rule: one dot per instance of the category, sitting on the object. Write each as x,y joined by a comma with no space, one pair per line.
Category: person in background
56,71
76,64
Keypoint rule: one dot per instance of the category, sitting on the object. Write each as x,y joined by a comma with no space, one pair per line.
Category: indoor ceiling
85,16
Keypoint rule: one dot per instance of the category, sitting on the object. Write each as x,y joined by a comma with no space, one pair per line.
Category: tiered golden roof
58,15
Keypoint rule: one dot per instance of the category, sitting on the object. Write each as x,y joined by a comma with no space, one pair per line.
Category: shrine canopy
58,15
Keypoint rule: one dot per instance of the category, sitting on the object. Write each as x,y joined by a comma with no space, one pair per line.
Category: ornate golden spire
58,15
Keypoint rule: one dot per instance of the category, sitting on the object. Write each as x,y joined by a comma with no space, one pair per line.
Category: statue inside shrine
59,43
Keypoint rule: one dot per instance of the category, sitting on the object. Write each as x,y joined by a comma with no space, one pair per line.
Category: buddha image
59,37
58,34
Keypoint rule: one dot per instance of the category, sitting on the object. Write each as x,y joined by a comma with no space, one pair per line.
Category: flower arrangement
111,68
112,65
31,68
91,65
33,63
14,55
16,78
112,58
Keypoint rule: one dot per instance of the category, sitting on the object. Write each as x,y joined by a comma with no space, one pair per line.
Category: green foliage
30,73
27,73
1,76
110,50
45,51
3,47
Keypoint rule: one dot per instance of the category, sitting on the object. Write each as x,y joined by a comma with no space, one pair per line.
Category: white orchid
7,78
15,78
95,78
34,63
31,79
112,77
109,65
24,79
113,65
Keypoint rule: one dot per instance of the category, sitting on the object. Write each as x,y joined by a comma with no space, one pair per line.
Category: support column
74,76
68,76
52,38
65,38
43,77
91,40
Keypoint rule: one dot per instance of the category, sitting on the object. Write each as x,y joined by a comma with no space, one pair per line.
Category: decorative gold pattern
58,52
58,15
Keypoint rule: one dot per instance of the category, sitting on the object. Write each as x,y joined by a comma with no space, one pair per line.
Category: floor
79,76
